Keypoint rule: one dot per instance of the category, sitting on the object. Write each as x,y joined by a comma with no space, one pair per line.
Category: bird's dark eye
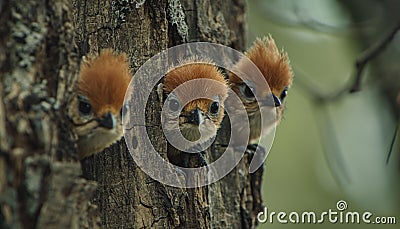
174,105
85,108
247,91
284,93
214,108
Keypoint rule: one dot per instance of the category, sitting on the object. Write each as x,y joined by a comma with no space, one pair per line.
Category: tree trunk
40,183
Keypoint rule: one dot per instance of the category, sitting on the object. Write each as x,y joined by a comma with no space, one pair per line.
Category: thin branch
370,54
392,144
361,63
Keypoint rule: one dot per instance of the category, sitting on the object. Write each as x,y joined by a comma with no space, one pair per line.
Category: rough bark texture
40,183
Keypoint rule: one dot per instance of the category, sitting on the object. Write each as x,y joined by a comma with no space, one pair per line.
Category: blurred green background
336,150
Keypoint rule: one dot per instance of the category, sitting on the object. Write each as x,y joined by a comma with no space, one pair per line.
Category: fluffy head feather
192,71
95,111
273,64
104,79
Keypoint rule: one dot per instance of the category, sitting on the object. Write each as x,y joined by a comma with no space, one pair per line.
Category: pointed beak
107,121
277,101
274,102
195,117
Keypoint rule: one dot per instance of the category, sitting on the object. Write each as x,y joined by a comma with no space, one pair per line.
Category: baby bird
194,106
95,110
274,66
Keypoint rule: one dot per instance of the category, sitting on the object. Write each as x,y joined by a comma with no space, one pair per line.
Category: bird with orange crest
96,108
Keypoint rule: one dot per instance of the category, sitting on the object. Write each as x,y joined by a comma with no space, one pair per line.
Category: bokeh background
334,148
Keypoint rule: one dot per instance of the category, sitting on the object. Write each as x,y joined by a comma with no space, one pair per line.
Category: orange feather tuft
185,73
273,64
104,79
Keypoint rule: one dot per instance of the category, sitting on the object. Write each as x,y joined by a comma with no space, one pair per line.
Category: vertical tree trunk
40,184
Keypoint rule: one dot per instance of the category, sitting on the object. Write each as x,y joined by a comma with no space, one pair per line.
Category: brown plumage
190,71
276,70
187,72
103,79
95,111
273,64
200,102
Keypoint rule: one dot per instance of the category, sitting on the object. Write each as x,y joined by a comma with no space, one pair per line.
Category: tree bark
40,184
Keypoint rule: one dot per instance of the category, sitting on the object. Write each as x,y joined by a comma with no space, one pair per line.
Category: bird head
95,110
274,66
201,116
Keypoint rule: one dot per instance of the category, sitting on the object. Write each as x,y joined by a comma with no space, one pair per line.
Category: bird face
96,129
275,68
95,110
200,117
247,93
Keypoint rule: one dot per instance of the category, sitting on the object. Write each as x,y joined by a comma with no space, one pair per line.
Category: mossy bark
40,183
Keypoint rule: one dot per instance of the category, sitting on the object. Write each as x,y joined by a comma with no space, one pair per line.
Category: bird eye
214,108
174,105
247,91
85,108
284,93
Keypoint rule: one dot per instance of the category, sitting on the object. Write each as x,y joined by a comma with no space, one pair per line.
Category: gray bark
39,174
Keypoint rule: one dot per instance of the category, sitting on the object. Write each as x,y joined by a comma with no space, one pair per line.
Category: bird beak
277,101
268,103
107,121
195,117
